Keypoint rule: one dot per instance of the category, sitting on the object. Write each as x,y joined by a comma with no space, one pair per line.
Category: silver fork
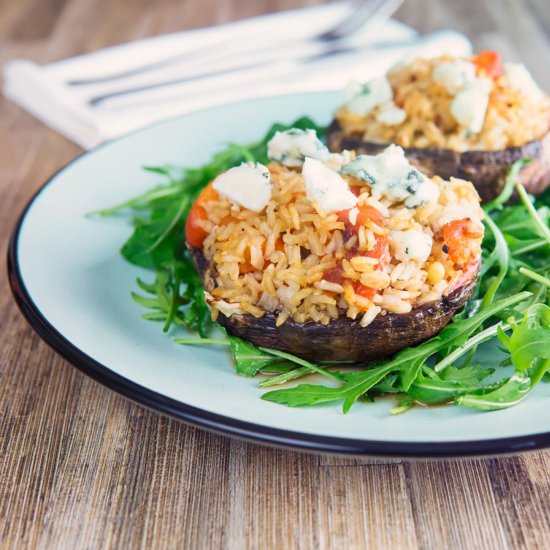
364,12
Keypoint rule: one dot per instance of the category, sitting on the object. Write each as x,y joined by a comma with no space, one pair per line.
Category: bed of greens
511,304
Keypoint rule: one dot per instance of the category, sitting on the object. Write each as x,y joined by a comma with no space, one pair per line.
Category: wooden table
81,467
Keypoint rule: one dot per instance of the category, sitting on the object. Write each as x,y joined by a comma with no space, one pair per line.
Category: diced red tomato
400,102
381,249
194,233
365,291
227,219
490,63
247,268
365,213
343,216
457,237
369,213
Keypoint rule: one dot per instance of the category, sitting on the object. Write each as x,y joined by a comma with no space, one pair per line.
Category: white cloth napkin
264,43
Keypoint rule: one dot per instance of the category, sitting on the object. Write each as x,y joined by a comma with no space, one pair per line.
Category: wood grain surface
80,467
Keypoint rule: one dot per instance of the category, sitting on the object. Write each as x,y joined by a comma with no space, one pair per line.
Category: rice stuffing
474,103
313,238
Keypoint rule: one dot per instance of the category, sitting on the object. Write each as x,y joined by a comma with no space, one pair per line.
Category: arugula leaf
466,375
432,389
468,346
387,385
502,254
518,247
404,403
249,359
313,394
458,332
307,364
541,224
437,391
535,276
530,340
529,347
284,367
506,193
304,394
293,374
510,393
539,370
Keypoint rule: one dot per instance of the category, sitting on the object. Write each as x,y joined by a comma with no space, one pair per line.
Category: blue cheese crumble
364,98
248,185
391,175
292,146
391,115
471,93
470,105
326,187
454,75
413,244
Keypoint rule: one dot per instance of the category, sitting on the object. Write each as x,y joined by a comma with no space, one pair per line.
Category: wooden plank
274,495
36,20
454,506
365,507
520,488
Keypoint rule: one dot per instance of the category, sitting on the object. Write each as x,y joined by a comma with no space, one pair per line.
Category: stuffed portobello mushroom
465,117
335,256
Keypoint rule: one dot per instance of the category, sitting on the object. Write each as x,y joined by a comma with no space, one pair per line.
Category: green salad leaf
437,391
529,343
467,375
313,394
249,359
510,393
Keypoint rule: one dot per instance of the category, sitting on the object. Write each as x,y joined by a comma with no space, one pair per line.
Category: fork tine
366,12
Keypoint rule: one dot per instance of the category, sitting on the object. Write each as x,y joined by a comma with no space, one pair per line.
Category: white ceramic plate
74,287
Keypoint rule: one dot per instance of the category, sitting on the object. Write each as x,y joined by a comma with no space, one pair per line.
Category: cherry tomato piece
365,291
194,233
365,214
457,235
490,62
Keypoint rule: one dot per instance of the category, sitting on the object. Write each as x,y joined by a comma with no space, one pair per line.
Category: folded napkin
80,98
